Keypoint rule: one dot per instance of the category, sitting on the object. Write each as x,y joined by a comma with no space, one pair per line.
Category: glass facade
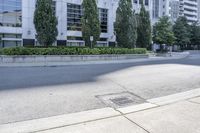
156,8
11,16
146,2
174,10
54,6
103,16
75,12
10,40
11,13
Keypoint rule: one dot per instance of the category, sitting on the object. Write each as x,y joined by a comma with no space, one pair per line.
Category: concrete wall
67,58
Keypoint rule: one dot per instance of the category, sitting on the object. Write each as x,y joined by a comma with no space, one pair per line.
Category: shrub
70,51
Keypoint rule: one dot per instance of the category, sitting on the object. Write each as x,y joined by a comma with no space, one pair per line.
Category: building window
103,16
10,40
74,14
135,1
75,41
156,8
146,2
11,13
54,7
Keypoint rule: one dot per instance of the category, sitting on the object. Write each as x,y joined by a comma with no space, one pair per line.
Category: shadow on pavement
28,77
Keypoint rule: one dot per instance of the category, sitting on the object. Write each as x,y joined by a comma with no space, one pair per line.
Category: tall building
155,10
159,8
189,9
198,10
147,4
17,27
168,8
174,10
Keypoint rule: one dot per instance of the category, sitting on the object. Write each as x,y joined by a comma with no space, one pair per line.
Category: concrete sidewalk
177,113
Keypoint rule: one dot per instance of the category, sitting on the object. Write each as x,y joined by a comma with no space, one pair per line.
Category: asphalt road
35,92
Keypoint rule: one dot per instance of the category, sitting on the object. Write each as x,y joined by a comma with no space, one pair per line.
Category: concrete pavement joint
124,115
75,124
136,124
55,122
121,114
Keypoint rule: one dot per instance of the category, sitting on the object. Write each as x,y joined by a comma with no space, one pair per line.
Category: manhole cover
118,100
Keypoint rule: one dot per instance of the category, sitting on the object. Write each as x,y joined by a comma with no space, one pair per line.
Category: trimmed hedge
69,51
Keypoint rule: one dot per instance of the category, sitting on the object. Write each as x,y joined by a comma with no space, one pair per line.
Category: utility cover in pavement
118,100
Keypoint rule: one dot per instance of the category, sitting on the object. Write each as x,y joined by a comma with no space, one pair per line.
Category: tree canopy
182,32
162,31
195,34
144,28
45,22
126,25
90,22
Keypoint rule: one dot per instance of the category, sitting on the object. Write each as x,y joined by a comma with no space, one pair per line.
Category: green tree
144,28
182,32
90,22
195,34
162,31
45,22
126,25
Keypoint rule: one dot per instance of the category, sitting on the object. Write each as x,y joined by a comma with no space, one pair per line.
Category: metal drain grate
122,99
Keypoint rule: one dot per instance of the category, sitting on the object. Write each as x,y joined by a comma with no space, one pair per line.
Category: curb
92,115
161,101
57,121
175,97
